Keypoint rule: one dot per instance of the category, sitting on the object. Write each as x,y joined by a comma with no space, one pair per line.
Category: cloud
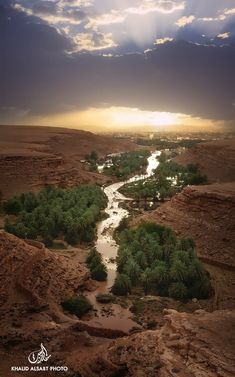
177,77
76,3
160,41
162,6
76,14
185,20
229,11
45,7
223,35
222,17
48,16
105,19
95,41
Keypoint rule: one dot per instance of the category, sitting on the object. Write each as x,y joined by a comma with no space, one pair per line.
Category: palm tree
178,290
132,269
160,274
146,280
122,285
196,269
178,271
141,259
123,256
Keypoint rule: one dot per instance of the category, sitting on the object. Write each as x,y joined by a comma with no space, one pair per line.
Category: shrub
12,206
151,324
178,291
77,305
105,298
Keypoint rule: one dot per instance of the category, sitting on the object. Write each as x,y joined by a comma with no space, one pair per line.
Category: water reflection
105,243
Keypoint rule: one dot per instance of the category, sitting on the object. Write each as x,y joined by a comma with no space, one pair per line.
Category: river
105,244
118,318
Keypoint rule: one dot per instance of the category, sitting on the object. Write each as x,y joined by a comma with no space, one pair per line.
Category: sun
164,119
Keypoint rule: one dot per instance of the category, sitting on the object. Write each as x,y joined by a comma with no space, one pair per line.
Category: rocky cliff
188,345
216,159
33,282
32,157
207,215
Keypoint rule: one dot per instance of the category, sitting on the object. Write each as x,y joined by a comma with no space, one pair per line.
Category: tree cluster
166,144
96,265
126,164
168,179
92,158
56,213
152,257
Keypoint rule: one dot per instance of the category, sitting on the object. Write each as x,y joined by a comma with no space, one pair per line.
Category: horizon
144,65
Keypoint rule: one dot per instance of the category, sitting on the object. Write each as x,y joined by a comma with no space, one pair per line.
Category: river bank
114,315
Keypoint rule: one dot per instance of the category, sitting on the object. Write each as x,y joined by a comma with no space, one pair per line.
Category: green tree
132,269
145,278
179,271
99,272
12,206
160,273
178,291
122,285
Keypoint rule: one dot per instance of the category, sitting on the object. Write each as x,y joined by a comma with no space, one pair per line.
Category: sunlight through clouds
93,41
109,119
161,41
185,21
92,25
148,6
125,56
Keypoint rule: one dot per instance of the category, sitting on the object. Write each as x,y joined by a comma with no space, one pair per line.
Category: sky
118,65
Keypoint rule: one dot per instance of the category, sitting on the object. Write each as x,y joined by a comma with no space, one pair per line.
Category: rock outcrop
32,157
207,215
33,282
188,345
216,159
34,276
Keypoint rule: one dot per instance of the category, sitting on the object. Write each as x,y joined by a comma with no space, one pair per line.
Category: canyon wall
216,159
32,157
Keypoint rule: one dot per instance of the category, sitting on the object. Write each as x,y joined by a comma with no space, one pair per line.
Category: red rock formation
32,157
188,345
35,276
216,159
207,215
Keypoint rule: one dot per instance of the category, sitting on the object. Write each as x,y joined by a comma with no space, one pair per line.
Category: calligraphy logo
37,357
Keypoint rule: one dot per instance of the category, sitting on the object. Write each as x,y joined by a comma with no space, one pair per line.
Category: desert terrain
34,280
32,157
216,159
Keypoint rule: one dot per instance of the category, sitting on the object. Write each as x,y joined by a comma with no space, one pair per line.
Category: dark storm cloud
40,78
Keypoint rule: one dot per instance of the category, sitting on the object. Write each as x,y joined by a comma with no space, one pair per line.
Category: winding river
118,318
105,243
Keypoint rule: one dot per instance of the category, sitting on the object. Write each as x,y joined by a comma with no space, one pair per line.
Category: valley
42,282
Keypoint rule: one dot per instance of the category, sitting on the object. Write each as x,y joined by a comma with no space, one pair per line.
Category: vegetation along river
105,244
108,248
